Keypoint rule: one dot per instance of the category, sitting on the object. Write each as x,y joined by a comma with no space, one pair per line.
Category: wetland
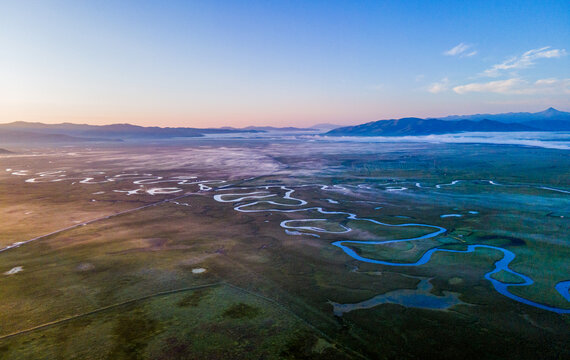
283,249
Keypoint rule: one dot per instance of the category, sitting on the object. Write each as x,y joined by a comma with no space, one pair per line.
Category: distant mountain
25,131
549,125
271,128
547,120
325,126
550,120
417,126
550,114
19,137
5,152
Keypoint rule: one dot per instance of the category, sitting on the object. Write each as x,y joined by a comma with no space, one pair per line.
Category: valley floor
288,249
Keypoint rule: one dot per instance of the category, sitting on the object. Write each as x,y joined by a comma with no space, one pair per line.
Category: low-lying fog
550,140
544,139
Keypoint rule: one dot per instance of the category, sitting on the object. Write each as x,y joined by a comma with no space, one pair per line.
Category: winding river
257,198
263,196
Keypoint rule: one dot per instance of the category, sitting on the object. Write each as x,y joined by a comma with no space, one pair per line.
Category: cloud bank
536,139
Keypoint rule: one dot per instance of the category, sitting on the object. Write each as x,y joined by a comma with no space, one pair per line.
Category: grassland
123,286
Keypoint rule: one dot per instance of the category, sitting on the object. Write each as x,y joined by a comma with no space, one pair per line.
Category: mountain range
21,131
548,114
30,132
548,120
273,128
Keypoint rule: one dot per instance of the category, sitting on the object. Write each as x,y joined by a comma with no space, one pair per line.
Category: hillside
66,132
21,137
549,115
417,126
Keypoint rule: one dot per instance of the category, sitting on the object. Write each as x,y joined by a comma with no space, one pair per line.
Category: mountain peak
551,110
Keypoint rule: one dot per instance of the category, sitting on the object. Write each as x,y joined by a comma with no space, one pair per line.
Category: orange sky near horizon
339,114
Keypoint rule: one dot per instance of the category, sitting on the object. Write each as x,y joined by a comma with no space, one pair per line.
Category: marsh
284,237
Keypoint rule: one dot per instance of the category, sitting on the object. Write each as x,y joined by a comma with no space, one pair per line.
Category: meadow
288,249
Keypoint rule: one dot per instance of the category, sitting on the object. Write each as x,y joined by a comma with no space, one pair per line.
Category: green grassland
126,286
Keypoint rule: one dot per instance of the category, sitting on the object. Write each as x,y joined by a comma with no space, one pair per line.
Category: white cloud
439,86
524,61
518,86
457,50
500,86
474,52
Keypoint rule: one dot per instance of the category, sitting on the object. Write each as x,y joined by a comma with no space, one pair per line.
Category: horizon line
275,126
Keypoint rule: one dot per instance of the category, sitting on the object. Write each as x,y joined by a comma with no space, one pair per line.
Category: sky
281,63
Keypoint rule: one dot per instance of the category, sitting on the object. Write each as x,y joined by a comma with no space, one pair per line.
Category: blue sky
238,63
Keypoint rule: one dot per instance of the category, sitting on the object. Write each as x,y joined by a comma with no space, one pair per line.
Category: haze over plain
166,194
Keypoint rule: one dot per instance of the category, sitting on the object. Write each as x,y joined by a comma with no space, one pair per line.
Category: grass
281,309
240,311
